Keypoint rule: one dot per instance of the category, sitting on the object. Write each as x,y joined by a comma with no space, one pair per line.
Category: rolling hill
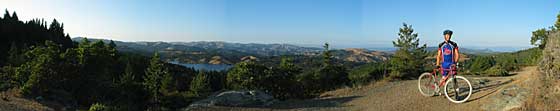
218,52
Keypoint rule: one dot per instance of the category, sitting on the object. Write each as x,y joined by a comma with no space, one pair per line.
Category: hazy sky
343,23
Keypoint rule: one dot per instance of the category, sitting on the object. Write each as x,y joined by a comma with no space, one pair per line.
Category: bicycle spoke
425,84
455,87
458,89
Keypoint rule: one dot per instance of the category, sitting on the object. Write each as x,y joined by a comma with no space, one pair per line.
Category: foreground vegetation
45,65
502,63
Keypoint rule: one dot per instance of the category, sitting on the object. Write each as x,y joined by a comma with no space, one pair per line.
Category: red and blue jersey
447,54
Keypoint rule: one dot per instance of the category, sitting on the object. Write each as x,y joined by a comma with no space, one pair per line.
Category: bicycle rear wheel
427,84
458,89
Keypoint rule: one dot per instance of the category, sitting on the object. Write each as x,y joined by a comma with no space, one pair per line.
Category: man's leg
445,67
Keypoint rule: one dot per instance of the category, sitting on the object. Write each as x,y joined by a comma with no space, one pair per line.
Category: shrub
246,75
98,107
366,73
497,70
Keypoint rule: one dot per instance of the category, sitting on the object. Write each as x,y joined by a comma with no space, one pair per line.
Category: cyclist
448,54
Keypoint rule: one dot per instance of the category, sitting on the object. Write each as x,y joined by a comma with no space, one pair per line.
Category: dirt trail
404,96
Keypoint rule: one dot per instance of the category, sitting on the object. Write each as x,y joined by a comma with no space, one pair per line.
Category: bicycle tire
463,83
426,84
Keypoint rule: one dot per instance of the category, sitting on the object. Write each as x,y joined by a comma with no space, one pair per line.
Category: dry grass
353,91
12,100
546,96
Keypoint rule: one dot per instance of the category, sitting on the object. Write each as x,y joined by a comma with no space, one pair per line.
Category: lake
207,67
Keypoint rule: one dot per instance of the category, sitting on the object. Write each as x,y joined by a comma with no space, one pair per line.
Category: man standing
448,53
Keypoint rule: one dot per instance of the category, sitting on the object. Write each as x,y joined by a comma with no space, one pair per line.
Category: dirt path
490,93
405,96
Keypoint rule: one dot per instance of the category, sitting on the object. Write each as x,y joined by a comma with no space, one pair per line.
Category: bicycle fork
456,88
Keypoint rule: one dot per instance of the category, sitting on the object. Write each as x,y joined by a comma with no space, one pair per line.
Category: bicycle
459,91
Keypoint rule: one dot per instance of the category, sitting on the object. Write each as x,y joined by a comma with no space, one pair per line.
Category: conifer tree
410,56
200,85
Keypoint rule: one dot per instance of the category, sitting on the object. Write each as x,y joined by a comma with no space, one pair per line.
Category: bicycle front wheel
458,89
427,84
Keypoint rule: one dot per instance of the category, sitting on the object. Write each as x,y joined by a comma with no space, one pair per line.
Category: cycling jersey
447,54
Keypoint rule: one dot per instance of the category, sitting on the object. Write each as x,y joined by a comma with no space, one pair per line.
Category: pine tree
128,77
167,82
14,17
539,37
327,56
15,57
155,74
112,47
7,15
112,44
330,75
409,58
200,85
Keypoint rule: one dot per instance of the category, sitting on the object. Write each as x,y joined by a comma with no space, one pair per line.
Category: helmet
448,32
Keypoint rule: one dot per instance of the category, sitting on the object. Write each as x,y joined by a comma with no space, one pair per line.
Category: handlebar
452,68
456,65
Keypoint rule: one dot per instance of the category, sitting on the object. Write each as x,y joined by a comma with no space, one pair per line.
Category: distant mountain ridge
467,50
219,52
252,48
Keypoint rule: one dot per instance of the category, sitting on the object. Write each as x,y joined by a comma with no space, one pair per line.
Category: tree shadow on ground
492,87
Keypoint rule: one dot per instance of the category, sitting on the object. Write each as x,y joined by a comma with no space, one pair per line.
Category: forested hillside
55,71
41,63
17,35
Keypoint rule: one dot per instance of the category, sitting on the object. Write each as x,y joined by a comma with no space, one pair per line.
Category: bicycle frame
452,72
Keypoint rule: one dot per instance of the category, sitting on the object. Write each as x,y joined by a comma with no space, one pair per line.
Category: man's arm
438,57
456,58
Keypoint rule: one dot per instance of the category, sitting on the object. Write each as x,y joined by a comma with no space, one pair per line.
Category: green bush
98,107
480,63
366,73
359,77
331,77
309,83
281,80
496,64
497,70
246,75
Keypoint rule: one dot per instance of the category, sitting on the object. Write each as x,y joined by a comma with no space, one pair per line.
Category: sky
342,23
